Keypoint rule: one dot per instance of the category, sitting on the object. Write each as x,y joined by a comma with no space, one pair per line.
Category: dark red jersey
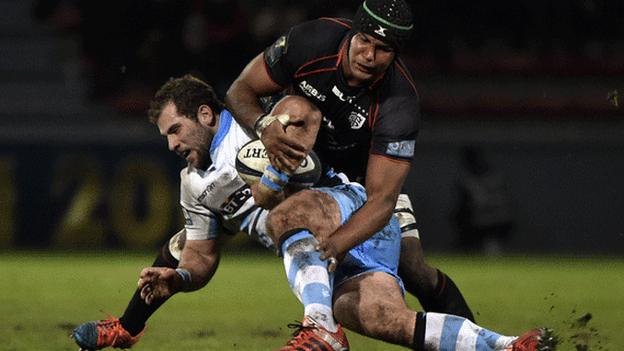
381,119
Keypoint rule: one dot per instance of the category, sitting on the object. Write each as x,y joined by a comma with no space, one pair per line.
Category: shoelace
110,327
300,329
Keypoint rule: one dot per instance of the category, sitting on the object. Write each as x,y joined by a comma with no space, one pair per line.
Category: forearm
200,265
368,220
384,180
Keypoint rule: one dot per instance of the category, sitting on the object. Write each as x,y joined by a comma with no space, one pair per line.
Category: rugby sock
448,332
446,298
138,312
308,277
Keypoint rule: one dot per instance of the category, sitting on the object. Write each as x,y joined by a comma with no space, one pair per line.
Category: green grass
247,305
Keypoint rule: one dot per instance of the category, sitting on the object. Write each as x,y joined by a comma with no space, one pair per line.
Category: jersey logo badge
381,31
275,52
356,120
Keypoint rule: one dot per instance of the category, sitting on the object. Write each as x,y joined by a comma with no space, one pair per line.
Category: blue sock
308,278
448,332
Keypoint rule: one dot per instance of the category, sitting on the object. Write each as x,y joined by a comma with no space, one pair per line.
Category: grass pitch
247,305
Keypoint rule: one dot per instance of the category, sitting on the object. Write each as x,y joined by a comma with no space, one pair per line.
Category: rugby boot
309,336
96,335
540,339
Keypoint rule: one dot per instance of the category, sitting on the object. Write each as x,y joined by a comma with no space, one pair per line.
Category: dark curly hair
187,93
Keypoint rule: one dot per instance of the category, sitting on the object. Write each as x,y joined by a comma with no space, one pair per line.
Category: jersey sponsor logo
275,51
209,188
236,200
404,148
381,31
341,95
356,120
309,90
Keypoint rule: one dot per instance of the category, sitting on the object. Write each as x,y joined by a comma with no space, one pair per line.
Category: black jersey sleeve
396,122
300,45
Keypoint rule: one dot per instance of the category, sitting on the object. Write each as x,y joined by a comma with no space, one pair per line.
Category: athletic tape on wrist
270,184
265,120
276,175
186,278
274,179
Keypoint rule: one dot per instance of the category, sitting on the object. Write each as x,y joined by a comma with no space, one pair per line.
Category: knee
288,215
309,209
276,222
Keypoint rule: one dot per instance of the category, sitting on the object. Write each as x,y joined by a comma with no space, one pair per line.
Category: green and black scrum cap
387,20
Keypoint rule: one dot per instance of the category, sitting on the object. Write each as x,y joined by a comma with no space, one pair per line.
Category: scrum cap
386,20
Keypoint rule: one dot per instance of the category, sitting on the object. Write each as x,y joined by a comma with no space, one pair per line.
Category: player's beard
199,156
198,159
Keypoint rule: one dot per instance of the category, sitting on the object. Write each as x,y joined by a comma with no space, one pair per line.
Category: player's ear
206,116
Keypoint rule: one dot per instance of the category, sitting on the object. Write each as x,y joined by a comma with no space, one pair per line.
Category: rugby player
215,201
369,121
370,115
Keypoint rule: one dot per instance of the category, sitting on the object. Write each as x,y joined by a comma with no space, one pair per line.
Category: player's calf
435,290
372,304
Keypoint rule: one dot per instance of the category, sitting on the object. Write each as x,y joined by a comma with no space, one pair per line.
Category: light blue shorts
380,253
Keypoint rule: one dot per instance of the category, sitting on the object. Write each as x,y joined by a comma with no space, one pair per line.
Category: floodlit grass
248,303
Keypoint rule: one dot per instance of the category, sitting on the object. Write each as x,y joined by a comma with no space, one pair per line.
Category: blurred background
521,148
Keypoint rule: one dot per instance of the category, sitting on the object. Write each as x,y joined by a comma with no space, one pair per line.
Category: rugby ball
252,159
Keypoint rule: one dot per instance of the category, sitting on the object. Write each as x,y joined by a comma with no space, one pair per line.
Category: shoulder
399,102
399,82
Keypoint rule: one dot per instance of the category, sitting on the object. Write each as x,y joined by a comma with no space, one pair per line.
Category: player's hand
266,197
285,152
330,252
156,283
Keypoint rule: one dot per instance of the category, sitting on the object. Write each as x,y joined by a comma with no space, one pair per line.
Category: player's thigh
372,304
314,210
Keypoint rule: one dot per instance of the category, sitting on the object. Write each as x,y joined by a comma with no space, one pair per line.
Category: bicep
256,77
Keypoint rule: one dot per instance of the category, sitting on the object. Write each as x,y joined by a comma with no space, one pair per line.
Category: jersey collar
225,121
